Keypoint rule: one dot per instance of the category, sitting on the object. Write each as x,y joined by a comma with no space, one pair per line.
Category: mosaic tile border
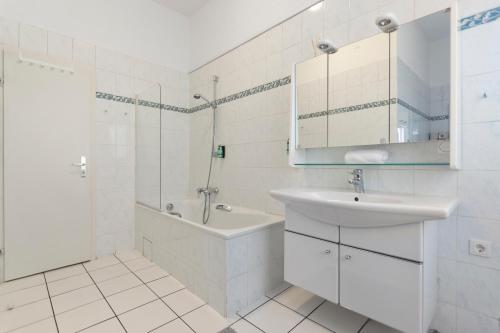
475,20
129,100
372,105
245,93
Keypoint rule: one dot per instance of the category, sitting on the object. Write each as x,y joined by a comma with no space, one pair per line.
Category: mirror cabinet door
358,96
311,102
420,80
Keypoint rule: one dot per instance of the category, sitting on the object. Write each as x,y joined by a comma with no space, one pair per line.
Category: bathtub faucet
170,210
224,207
207,190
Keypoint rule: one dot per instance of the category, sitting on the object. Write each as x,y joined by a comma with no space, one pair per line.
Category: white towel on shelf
366,156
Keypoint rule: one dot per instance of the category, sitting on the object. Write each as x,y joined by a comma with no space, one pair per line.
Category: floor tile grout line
168,322
64,267
68,291
25,304
169,293
79,306
314,321
158,296
136,307
268,300
98,323
289,308
15,291
192,310
156,278
251,324
282,292
51,305
24,326
306,317
105,299
101,268
126,289
364,324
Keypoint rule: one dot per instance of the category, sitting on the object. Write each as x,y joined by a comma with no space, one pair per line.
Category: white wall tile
478,192
479,142
468,321
33,38
477,108
445,320
9,31
60,46
426,7
479,55
477,289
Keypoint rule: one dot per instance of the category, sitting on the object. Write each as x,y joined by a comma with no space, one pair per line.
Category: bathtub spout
224,207
176,214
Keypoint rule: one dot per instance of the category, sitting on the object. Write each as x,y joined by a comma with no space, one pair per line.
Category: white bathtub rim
227,233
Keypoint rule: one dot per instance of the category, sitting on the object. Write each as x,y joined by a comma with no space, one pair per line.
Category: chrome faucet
207,190
357,180
224,207
170,210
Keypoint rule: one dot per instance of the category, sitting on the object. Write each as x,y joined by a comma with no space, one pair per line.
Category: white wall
221,25
139,28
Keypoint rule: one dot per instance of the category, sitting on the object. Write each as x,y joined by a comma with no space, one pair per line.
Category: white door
312,264
48,203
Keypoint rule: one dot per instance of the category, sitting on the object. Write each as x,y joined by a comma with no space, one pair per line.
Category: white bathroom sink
351,209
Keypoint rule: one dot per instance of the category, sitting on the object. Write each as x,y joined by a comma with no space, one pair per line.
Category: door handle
82,165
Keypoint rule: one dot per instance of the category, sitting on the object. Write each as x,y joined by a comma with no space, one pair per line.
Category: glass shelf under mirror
362,165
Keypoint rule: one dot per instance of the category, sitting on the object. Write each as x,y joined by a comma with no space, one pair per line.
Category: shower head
326,46
198,96
387,23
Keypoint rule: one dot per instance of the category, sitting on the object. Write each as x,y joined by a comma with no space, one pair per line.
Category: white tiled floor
127,293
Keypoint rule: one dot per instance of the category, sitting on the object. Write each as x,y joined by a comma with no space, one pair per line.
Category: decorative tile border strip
372,105
484,17
129,100
245,93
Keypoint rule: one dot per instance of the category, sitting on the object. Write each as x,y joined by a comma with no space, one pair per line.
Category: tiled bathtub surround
255,130
229,274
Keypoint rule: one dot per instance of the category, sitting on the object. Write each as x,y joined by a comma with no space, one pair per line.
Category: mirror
420,80
311,102
358,97
388,88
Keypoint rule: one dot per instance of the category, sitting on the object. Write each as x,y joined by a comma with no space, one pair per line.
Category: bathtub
231,262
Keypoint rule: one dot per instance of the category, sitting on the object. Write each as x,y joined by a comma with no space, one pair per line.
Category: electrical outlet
480,248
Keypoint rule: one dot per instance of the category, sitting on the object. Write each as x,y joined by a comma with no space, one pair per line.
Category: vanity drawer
383,288
312,264
295,221
403,241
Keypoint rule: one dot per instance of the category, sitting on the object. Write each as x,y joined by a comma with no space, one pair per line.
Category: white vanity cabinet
388,273
386,289
312,264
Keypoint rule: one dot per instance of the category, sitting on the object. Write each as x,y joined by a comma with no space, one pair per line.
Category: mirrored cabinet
358,93
391,88
420,80
311,91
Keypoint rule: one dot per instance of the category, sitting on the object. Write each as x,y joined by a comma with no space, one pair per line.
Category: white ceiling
185,7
